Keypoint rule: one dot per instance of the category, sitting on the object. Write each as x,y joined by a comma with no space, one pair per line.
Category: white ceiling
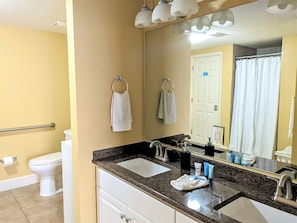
35,14
253,25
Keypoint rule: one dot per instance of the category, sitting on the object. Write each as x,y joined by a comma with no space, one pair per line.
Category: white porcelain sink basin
247,210
143,167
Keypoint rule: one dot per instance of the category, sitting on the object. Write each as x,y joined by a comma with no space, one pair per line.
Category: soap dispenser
209,148
185,158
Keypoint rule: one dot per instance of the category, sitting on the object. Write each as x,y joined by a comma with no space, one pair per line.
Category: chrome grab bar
51,125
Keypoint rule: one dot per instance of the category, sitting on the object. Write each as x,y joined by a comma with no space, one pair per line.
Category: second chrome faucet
285,180
161,153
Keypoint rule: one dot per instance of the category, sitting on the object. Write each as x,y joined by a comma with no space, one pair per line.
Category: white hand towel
161,106
187,182
291,121
167,107
121,117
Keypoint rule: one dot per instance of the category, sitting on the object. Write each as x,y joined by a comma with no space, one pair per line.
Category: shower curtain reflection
255,106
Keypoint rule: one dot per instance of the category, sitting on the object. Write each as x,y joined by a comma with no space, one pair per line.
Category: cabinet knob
128,220
122,216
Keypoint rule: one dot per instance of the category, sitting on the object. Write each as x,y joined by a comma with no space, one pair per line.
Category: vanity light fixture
223,18
182,28
281,6
183,8
143,18
200,24
161,13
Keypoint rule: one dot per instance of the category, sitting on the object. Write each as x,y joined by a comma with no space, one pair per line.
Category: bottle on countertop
209,148
185,160
237,158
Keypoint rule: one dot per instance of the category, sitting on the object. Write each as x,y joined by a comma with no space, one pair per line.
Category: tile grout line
30,207
28,221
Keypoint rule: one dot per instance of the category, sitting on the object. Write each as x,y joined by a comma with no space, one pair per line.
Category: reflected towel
287,152
167,107
121,117
291,121
187,182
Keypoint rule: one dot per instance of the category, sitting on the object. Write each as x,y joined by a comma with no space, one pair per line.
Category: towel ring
119,78
170,82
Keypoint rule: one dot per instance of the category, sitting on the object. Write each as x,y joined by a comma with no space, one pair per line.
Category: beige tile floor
25,205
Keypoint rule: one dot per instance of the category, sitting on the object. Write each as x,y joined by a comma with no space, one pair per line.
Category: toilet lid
47,159
67,132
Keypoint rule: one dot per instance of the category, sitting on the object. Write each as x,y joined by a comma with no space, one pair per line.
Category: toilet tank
67,134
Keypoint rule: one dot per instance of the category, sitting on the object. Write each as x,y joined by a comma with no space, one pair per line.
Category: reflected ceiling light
281,6
197,37
162,13
183,8
193,204
223,18
200,24
182,28
143,18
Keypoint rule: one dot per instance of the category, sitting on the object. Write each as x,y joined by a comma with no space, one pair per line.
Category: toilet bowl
47,167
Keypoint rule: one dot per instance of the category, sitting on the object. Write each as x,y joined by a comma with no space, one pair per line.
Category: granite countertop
201,204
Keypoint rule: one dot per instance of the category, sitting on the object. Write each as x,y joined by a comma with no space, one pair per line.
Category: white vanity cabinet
112,210
109,208
118,202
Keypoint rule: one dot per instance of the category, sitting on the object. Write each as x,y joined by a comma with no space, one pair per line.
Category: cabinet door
109,209
135,217
147,206
181,218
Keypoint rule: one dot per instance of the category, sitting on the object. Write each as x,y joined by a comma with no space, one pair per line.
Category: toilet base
48,186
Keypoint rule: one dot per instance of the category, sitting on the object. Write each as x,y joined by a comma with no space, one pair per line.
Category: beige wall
226,83
168,56
34,91
102,43
287,89
175,53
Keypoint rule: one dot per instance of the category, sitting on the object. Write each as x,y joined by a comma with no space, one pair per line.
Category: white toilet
47,167
67,134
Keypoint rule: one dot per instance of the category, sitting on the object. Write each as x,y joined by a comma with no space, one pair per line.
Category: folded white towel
287,152
187,182
167,107
121,117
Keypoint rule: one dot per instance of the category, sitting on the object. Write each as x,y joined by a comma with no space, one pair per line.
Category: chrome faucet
182,143
278,196
185,137
160,154
284,180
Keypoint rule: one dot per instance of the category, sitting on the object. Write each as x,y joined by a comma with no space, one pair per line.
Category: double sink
242,209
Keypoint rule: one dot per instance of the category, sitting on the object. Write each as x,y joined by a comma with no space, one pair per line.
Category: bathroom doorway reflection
205,95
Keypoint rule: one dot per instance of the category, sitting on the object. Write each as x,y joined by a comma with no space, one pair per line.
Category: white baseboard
18,182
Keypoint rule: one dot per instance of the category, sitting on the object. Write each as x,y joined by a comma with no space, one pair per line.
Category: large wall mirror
171,55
